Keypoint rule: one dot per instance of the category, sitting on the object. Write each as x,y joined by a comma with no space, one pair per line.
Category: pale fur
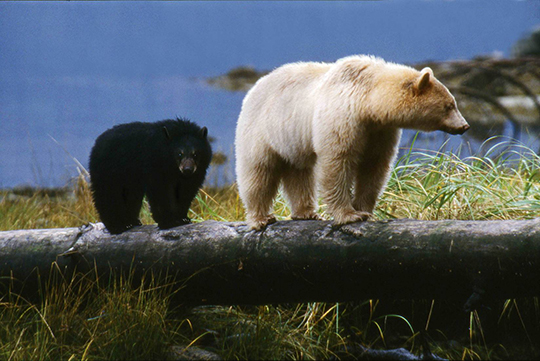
336,125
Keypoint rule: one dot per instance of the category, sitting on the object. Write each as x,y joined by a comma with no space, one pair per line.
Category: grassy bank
85,319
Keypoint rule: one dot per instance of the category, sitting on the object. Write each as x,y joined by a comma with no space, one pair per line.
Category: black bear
166,160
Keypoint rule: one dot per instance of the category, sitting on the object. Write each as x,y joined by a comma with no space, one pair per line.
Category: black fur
165,160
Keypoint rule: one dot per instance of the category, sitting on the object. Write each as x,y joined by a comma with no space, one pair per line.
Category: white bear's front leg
336,177
375,166
300,189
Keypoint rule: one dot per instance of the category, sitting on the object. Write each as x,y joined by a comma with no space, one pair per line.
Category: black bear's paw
117,229
167,225
120,229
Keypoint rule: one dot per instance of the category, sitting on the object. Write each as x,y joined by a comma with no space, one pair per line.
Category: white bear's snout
455,124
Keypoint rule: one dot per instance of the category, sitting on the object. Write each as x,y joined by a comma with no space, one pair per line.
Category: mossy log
298,261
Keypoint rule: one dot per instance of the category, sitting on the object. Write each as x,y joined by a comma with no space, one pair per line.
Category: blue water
74,111
69,71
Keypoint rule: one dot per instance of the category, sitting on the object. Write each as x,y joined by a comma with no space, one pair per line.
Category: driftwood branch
299,261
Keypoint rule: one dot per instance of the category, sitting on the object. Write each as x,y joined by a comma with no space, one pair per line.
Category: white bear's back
278,111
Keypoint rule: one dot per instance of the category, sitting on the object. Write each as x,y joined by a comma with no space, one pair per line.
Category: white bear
335,125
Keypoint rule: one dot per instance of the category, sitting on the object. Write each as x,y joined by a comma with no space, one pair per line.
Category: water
69,71
63,119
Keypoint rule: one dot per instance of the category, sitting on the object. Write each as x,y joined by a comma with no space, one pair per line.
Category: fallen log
299,261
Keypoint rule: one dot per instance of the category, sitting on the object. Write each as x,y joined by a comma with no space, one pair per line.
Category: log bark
298,261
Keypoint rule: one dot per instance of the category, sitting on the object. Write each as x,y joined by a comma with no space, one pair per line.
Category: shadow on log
299,261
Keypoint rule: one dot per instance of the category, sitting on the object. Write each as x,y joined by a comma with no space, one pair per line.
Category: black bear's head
191,151
187,161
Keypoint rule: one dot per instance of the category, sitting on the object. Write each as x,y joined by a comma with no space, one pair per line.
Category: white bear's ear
424,79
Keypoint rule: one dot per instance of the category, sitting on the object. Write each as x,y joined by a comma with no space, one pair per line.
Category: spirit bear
166,160
334,125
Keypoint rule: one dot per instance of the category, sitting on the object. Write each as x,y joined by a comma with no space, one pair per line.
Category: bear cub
166,160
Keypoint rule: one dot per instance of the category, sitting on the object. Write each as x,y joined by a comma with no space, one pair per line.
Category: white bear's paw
351,217
306,216
259,223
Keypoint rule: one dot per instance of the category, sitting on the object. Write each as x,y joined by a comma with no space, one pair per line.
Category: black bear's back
140,145
126,148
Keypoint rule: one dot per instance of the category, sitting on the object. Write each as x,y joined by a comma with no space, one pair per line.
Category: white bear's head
429,105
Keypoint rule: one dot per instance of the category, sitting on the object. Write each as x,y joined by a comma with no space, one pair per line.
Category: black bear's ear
166,132
204,132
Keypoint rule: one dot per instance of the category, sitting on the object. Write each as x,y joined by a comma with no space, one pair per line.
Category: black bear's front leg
162,200
185,192
170,204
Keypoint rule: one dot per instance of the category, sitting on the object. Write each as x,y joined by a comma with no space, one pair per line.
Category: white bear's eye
449,107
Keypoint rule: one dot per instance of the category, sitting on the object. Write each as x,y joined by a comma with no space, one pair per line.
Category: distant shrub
529,45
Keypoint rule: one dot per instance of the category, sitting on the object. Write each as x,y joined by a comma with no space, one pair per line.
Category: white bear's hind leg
300,190
258,185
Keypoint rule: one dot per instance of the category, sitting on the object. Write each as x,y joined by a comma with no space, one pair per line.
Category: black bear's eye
181,154
194,155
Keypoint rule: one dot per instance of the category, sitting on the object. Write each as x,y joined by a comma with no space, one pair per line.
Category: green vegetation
528,45
238,79
86,318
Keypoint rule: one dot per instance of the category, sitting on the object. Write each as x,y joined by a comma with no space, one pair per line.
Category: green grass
86,318
434,185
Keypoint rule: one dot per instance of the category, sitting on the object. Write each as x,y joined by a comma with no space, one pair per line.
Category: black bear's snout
188,166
